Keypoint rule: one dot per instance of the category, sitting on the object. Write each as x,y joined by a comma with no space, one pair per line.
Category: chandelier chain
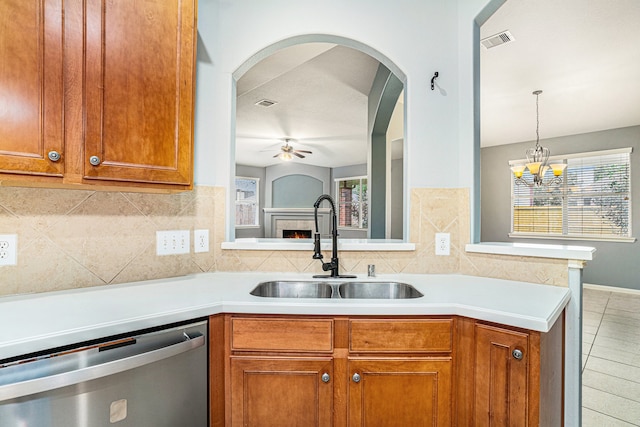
538,157
537,121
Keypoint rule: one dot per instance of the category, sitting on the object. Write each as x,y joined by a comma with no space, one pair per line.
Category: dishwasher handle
52,382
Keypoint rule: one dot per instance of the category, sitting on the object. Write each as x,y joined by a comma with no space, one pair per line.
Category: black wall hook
433,80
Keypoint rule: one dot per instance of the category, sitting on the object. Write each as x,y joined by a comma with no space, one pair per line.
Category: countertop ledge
581,253
362,245
37,322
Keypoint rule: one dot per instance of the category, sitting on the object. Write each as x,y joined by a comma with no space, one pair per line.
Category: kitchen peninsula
467,312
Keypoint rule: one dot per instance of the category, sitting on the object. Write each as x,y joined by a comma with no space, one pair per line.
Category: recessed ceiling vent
497,39
266,103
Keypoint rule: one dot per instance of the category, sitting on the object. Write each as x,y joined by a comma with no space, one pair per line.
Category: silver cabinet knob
517,354
54,156
94,160
325,377
356,378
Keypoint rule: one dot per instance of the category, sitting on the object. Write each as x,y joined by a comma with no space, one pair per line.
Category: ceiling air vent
497,39
265,103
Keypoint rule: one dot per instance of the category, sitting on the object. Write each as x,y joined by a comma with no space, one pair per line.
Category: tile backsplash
79,238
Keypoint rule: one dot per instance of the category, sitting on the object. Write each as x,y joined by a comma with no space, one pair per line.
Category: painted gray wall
295,191
253,172
614,264
294,168
397,199
347,172
383,98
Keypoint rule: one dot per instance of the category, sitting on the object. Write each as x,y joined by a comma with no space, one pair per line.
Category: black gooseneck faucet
334,265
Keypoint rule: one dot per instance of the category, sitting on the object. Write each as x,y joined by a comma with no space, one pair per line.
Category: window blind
594,199
247,202
353,206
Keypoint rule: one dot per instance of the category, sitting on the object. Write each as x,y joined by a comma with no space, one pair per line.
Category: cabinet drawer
407,336
283,335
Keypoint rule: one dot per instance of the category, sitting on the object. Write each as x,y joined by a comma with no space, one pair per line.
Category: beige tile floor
610,359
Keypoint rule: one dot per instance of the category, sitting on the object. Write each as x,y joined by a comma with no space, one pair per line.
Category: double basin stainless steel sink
347,290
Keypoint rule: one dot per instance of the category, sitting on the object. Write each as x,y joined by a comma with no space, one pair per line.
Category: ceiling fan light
285,156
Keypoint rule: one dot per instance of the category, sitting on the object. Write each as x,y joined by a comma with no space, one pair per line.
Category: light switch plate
172,242
8,249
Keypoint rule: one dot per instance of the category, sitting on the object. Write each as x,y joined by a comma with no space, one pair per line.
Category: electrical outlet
443,244
172,242
8,249
201,240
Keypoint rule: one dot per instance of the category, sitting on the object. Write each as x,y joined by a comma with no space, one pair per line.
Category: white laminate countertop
36,322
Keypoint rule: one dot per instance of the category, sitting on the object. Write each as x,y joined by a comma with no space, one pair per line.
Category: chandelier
537,158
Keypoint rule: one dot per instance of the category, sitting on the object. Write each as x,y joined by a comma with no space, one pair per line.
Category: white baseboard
611,289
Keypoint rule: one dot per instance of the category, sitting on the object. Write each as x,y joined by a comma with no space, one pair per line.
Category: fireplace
279,220
296,234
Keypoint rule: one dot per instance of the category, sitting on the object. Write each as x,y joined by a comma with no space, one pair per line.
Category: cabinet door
139,61
400,392
31,97
280,392
500,377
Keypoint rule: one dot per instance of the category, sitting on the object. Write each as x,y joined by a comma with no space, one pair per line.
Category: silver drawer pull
326,377
356,378
517,354
94,160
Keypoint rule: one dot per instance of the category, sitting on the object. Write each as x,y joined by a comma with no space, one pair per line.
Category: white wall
418,36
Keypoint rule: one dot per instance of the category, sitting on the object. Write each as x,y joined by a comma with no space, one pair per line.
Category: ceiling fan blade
304,151
295,153
276,155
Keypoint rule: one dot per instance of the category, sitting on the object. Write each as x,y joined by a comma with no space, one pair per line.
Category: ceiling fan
286,151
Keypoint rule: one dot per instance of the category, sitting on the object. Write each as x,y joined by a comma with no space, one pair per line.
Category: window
247,202
353,202
593,201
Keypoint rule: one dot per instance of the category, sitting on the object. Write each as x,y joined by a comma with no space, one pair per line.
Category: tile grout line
584,365
608,414
612,417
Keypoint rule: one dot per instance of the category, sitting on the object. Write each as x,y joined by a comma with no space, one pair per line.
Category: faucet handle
317,254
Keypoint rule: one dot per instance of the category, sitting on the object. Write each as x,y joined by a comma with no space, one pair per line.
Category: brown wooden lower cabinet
518,377
400,392
276,392
501,377
382,371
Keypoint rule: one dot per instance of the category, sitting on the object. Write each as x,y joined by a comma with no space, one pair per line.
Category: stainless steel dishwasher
153,378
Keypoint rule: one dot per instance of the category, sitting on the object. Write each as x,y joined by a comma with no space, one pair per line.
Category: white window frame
564,195
337,193
257,202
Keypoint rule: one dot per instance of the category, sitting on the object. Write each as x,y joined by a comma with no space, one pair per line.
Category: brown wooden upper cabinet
103,97
31,107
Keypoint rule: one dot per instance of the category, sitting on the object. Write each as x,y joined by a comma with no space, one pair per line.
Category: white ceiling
321,91
583,54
